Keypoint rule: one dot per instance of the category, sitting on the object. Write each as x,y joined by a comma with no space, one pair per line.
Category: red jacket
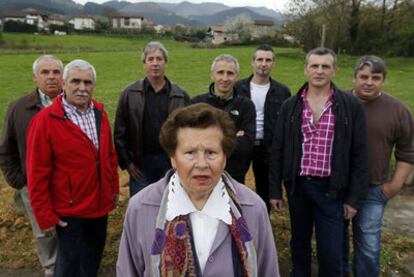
67,176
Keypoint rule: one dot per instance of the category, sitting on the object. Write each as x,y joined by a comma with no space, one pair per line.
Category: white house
127,22
28,16
82,23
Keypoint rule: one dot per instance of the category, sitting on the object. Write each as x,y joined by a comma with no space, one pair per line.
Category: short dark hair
320,51
375,64
264,47
199,116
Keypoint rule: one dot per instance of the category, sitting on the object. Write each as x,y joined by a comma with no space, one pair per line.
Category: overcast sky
270,4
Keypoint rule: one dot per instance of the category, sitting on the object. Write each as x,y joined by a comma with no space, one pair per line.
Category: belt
314,178
258,142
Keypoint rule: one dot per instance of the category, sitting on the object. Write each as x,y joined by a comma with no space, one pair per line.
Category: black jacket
349,171
128,137
275,97
242,111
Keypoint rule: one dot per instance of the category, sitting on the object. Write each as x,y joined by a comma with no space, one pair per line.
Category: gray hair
321,51
45,58
80,65
227,58
375,64
153,46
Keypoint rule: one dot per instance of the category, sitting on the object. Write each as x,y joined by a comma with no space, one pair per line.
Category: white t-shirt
258,95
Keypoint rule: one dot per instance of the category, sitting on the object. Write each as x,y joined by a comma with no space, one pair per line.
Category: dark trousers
310,207
261,173
154,167
80,246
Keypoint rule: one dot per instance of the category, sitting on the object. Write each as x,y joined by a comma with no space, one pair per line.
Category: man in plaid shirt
320,153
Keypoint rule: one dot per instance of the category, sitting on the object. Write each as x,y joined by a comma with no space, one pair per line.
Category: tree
239,26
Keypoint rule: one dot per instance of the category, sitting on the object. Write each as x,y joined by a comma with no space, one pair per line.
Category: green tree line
384,27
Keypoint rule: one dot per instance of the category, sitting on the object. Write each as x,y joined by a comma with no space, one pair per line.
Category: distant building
54,20
263,28
127,22
28,16
82,23
218,36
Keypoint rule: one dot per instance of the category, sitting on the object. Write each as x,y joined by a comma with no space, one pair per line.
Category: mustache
80,93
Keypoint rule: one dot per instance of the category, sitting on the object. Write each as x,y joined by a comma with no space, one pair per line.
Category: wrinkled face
320,70
199,160
155,64
49,77
79,87
263,63
368,85
224,77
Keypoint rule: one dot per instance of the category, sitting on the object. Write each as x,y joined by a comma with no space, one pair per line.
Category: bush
19,27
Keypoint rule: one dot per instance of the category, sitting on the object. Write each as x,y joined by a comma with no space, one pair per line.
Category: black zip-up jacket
349,169
128,129
275,97
241,109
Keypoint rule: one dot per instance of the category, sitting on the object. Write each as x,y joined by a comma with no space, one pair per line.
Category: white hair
80,65
45,58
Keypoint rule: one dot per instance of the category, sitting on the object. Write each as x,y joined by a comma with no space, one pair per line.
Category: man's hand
52,229
134,172
277,204
349,212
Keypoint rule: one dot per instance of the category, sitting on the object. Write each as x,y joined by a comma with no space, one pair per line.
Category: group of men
331,149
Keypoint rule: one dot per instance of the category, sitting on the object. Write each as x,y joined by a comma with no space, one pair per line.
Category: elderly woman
197,221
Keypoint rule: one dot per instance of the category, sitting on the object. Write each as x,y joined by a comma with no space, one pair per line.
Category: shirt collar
69,107
45,100
179,203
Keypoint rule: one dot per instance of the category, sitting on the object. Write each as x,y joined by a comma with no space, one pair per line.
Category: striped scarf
172,252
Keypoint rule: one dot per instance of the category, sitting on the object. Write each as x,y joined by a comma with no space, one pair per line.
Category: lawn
117,62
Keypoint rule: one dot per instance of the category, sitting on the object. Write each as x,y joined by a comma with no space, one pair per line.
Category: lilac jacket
139,229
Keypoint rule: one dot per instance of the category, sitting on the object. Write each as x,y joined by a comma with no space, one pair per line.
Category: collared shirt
204,223
45,100
317,138
84,120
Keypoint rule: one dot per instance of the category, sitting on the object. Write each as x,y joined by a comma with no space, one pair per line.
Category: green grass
117,61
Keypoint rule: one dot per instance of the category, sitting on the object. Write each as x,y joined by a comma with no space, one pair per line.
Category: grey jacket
13,140
139,229
129,118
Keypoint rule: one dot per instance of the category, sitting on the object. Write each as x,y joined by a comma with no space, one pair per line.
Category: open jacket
275,97
134,256
128,129
67,175
349,168
13,140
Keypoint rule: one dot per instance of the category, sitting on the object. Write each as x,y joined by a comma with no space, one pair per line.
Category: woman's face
199,160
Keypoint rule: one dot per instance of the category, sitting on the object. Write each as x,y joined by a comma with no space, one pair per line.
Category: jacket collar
33,100
139,87
213,94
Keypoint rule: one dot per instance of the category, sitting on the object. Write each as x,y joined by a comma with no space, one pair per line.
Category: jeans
310,207
366,227
154,167
80,246
46,243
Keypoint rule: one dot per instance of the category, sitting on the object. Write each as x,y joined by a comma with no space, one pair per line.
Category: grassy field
117,61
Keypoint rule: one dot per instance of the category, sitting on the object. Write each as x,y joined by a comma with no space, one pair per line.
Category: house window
126,21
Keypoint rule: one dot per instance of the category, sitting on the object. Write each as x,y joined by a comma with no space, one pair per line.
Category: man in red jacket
72,172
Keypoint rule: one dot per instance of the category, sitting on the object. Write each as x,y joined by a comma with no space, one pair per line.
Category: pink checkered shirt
317,139
84,120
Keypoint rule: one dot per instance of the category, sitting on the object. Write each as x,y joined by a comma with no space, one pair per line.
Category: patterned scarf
172,252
